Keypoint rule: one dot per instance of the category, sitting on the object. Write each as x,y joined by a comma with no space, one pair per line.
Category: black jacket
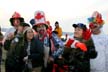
36,52
14,57
78,59
90,54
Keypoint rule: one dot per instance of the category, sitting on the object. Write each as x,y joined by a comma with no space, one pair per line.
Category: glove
69,42
87,34
75,44
82,46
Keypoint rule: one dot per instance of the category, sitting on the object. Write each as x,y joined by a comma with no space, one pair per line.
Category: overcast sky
66,12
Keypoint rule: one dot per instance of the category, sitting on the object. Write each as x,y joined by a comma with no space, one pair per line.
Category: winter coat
90,54
36,52
78,59
14,47
59,31
58,45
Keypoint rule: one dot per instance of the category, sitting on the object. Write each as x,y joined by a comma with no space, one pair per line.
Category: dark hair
35,27
25,36
24,24
56,22
12,19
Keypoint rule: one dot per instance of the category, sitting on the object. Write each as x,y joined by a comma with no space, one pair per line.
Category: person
14,60
33,56
58,29
42,41
49,30
57,51
61,65
83,34
99,64
15,21
1,45
78,56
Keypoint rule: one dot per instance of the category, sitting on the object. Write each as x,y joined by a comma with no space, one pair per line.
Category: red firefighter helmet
16,15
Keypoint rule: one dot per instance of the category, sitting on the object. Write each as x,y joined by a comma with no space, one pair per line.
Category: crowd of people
40,48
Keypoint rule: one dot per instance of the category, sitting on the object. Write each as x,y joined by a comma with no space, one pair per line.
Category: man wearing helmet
11,43
15,21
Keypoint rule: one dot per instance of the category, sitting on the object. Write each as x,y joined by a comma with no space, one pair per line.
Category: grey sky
66,12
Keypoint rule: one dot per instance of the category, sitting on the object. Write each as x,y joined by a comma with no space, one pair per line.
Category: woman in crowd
33,55
82,59
83,35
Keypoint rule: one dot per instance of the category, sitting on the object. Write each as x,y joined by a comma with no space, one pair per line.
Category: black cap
80,25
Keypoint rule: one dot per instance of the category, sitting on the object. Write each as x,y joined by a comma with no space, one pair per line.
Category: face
20,29
29,34
16,22
41,29
56,25
78,32
95,29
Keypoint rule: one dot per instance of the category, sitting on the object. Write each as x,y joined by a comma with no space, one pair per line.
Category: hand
82,46
25,58
87,34
0,41
50,59
10,36
69,43
60,57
